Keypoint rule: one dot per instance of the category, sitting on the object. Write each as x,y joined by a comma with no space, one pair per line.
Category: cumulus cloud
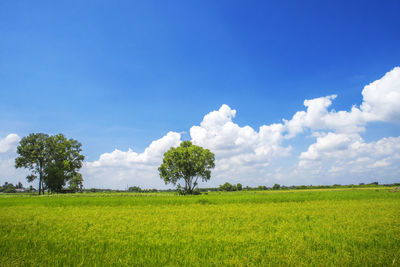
318,117
152,154
347,155
342,146
328,144
9,143
382,98
218,133
123,167
380,103
239,150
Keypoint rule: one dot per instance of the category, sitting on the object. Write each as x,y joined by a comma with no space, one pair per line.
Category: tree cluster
136,189
230,187
54,160
8,188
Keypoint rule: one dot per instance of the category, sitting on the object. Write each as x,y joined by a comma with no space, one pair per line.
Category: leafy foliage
64,161
76,183
230,187
8,188
135,189
54,159
33,155
276,186
227,187
188,162
239,187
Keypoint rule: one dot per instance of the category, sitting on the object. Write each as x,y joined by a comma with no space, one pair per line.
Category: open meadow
334,227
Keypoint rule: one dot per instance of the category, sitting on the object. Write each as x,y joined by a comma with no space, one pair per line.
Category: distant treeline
10,188
239,187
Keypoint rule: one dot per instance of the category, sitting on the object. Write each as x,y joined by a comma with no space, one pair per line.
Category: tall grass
297,228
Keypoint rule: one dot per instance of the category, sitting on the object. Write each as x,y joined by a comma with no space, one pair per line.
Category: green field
358,227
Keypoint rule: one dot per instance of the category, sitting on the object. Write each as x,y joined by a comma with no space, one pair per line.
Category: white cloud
346,155
318,117
9,143
152,154
342,150
312,118
120,168
326,144
8,172
238,150
382,98
227,139
380,103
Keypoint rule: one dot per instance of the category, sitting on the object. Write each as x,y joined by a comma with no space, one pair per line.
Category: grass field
359,227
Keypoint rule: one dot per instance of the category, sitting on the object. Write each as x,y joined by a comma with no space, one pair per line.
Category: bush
134,189
10,190
227,187
196,191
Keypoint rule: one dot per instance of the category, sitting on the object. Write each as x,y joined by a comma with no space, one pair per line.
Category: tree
134,189
276,186
64,161
188,162
53,159
262,187
76,183
19,185
239,187
227,187
8,188
33,156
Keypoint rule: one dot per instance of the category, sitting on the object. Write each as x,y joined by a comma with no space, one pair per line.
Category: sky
288,92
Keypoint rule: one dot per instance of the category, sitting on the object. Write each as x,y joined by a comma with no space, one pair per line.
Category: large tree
33,155
53,159
188,162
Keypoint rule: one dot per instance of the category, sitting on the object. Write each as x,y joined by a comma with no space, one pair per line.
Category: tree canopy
55,160
229,187
76,183
33,156
188,162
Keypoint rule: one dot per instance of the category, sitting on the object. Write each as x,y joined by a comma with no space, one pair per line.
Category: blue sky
121,74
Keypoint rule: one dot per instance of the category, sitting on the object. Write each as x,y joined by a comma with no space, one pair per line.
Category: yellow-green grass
297,228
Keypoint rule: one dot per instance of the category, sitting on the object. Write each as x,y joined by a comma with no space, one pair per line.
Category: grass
262,228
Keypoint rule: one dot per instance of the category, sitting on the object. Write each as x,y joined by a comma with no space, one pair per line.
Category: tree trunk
40,175
189,185
40,182
186,185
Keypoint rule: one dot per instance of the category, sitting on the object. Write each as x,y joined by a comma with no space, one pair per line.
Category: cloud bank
257,156
266,155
